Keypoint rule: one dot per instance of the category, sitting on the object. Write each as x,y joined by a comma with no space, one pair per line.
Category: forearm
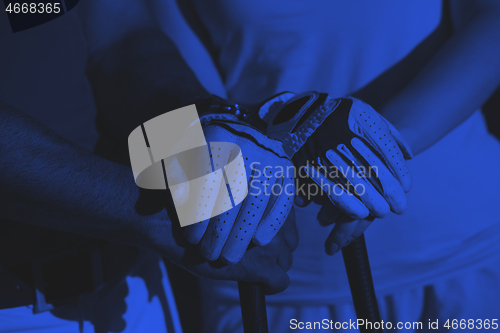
139,77
47,181
457,81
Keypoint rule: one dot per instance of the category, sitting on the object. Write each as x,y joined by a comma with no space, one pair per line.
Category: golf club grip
253,307
360,281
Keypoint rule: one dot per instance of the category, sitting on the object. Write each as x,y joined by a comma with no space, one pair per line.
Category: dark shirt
42,73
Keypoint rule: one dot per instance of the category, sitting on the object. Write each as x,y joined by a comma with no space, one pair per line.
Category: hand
344,146
266,265
346,229
226,178
239,193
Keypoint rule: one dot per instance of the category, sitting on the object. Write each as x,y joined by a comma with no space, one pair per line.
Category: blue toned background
430,67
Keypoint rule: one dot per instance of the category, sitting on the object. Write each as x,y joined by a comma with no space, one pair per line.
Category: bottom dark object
360,281
253,307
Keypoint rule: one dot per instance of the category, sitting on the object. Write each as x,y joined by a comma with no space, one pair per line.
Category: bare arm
457,81
47,181
50,182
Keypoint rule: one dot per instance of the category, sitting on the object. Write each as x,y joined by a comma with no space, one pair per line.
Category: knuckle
359,215
339,236
380,210
229,259
209,256
209,253
259,240
289,262
397,200
398,206
279,285
295,243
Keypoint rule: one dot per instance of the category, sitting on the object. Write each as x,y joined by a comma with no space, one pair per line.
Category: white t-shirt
262,47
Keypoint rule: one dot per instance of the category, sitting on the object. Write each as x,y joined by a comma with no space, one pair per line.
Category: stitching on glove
249,138
292,142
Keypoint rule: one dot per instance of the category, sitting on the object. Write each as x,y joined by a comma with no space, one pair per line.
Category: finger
284,255
277,210
290,234
340,234
230,197
392,189
204,202
194,232
338,195
305,196
198,197
302,198
285,261
361,227
396,162
247,221
320,199
217,232
376,131
403,145
177,180
301,201
276,280
328,214
354,173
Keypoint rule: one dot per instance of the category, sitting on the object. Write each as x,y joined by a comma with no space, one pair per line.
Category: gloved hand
228,184
265,265
342,144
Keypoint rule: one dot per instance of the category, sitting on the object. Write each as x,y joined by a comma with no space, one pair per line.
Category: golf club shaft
360,281
253,307
253,301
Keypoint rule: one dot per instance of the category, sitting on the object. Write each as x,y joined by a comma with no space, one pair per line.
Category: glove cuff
215,105
207,118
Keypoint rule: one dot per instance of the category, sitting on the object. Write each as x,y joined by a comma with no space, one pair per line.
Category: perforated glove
263,211
226,178
355,155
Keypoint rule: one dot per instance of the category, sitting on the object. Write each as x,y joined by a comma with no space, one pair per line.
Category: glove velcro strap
207,118
254,135
272,104
294,132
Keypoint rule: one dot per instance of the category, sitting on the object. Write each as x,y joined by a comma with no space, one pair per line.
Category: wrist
157,233
411,135
215,105
392,113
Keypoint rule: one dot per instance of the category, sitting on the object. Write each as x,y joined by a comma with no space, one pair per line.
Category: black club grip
253,307
360,281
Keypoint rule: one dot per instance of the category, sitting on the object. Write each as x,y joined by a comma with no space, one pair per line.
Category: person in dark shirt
75,235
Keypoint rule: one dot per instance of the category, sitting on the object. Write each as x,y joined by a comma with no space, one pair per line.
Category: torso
334,46
341,47
42,73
